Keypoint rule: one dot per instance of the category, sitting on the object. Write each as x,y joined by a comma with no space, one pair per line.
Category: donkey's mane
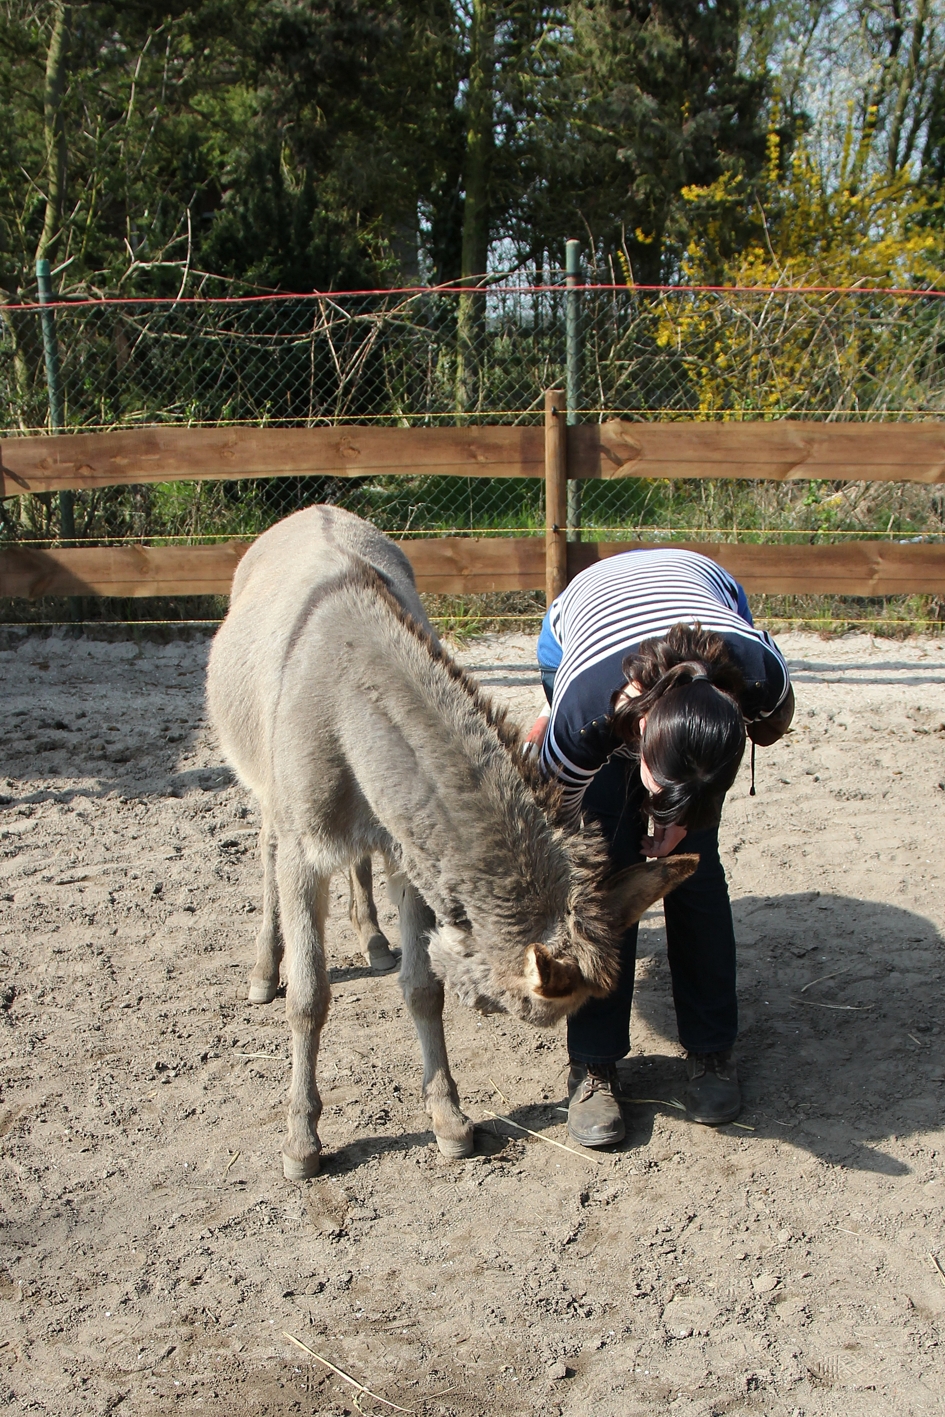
547,794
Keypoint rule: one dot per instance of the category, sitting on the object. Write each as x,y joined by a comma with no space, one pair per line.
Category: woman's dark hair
695,732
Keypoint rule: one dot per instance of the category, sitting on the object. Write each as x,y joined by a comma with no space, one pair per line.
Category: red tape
275,297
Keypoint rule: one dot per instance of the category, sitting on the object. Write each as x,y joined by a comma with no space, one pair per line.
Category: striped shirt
605,614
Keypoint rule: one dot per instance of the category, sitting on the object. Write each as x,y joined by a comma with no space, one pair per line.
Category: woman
653,670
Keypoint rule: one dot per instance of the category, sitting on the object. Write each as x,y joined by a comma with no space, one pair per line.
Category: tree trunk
55,131
470,324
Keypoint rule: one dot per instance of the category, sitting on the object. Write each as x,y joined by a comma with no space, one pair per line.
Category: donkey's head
576,957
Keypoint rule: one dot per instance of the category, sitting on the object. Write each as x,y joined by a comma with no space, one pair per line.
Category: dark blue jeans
700,936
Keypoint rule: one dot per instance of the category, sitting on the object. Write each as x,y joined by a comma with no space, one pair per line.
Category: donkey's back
312,547
278,585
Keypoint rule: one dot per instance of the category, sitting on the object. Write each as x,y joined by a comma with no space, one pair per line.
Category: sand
152,1255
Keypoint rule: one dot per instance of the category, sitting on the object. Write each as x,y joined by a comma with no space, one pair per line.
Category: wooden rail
466,565
449,565
780,452
871,452
86,460
847,568
471,566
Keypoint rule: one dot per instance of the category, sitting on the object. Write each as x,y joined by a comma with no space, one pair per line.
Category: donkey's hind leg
303,906
363,912
423,994
264,980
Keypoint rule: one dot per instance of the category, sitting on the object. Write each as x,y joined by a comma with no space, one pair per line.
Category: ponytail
695,732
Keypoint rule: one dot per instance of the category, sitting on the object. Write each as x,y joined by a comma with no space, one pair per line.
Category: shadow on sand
842,1042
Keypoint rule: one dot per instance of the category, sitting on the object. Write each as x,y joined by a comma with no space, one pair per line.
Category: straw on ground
821,979
340,1372
549,1141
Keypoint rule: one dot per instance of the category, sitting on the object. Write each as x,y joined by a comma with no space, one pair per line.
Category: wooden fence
896,452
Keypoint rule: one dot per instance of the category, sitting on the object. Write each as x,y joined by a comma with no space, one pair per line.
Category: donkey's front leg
375,945
264,980
303,906
423,994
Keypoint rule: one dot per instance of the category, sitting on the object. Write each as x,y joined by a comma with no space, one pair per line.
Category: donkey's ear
551,978
632,892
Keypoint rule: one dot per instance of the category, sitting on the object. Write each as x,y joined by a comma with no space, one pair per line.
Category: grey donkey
338,708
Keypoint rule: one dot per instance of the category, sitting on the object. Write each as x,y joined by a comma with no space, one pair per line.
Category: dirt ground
153,1258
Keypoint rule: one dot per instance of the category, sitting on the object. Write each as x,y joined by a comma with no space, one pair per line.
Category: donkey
338,708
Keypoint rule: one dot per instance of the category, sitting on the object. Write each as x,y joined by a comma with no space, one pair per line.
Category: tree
360,142
638,99
288,146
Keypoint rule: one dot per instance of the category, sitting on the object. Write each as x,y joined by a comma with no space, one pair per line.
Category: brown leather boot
713,1096
594,1115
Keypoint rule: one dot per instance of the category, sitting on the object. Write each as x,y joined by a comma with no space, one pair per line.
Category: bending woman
653,671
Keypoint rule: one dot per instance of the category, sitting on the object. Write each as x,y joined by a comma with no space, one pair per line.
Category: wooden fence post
556,494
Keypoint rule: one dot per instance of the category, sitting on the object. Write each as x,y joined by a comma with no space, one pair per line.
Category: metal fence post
54,388
556,495
572,266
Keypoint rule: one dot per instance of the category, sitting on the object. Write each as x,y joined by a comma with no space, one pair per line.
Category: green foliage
650,97
328,142
282,145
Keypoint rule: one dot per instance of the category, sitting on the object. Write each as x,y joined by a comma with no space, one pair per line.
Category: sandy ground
152,1254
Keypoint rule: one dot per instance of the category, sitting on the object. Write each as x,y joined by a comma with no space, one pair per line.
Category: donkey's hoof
294,1170
381,958
455,1150
261,991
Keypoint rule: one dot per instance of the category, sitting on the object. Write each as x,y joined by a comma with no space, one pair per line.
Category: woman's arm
573,751
765,731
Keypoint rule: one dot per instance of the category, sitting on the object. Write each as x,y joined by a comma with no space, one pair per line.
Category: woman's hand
663,841
765,731
535,737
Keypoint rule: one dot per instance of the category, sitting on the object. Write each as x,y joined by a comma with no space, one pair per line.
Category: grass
886,617
462,618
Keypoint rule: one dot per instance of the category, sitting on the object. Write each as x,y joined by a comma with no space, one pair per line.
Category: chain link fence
429,357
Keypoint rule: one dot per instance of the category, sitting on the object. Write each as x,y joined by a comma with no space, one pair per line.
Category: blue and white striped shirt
607,612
